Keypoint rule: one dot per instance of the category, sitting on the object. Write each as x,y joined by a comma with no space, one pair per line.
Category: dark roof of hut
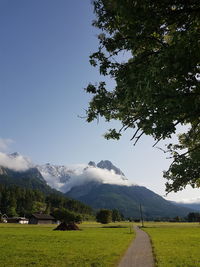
43,216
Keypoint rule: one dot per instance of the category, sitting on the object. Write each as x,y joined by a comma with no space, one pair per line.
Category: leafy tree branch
157,82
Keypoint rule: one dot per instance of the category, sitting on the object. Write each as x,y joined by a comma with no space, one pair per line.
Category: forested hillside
127,200
17,201
30,178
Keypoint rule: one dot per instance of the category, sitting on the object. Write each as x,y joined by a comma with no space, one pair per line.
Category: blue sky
44,66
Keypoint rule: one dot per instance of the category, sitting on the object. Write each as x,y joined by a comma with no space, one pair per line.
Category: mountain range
101,185
127,199
194,206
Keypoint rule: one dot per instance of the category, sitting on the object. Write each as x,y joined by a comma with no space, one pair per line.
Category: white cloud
81,174
17,163
5,143
74,175
190,200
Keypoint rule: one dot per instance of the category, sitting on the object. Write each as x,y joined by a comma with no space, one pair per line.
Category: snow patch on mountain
64,178
56,176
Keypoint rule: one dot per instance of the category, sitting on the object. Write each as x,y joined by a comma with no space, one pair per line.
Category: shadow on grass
114,226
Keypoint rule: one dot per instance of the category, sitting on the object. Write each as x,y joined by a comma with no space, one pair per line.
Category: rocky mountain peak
14,155
92,163
106,164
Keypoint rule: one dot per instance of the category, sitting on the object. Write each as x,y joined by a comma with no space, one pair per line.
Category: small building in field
3,218
37,218
4,221
21,220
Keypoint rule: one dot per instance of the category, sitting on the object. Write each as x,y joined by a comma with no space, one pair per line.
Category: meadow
34,245
175,244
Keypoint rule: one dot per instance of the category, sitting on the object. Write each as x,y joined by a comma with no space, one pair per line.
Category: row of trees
193,217
106,216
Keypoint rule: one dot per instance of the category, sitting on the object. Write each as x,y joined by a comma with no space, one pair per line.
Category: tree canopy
104,216
67,216
151,50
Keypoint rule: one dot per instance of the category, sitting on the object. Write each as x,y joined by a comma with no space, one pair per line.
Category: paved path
139,254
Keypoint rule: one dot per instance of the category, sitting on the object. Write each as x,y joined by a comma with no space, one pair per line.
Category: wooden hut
37,218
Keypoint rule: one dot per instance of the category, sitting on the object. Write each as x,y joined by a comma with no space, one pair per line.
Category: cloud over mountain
190,200
64,178
95,174
14,162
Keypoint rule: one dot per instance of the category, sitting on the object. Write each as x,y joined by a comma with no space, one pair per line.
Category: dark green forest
17,201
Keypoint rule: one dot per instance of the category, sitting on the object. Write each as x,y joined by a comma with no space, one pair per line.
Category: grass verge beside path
175,244
32,245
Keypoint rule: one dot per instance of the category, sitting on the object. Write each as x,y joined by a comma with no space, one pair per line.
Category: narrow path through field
139,254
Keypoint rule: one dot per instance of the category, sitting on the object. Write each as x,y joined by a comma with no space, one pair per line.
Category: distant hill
127,199
20,171
31,179
194,206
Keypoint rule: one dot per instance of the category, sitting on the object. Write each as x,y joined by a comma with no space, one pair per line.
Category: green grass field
32,245
175,244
